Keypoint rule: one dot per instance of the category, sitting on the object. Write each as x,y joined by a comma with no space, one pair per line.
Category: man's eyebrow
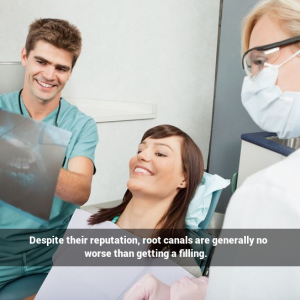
67,68
157,144
41,58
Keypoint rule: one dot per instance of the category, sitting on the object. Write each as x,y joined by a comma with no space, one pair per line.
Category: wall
11,77
230,118
157,51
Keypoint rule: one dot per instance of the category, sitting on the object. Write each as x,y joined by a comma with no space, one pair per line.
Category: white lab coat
267,199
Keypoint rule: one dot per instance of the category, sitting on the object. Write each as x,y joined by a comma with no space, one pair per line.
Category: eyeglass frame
286,42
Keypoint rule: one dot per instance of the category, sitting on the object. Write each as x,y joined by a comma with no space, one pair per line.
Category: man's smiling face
47,70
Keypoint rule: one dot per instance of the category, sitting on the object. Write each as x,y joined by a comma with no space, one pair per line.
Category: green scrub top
83,143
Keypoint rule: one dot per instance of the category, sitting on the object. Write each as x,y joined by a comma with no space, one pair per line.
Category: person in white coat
269,199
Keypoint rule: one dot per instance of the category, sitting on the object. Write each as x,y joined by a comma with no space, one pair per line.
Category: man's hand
74,184
148,288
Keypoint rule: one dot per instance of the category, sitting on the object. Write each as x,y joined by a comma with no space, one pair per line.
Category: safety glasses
255,59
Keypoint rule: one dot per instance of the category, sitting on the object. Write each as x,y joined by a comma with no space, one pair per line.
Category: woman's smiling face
156,171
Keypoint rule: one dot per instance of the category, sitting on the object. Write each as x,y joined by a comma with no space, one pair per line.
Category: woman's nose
144,155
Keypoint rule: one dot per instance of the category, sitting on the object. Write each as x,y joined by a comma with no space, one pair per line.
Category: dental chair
214,202
204,225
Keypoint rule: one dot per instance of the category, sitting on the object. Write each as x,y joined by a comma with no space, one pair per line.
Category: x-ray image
31,155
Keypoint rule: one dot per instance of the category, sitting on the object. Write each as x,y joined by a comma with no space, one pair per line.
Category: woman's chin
134,186
139,189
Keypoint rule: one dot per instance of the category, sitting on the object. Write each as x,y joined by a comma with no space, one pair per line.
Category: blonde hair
287,12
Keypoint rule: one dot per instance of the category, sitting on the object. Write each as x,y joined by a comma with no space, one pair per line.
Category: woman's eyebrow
158,144
161,144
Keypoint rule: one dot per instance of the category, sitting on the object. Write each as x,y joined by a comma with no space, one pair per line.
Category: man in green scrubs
51,50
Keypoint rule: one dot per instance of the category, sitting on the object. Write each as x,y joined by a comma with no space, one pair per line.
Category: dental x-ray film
31,155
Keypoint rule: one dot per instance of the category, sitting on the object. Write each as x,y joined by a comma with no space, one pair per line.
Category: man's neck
37,108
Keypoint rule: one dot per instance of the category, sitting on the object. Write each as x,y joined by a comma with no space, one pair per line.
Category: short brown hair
59,33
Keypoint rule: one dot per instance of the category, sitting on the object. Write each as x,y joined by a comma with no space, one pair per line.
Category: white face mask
270,108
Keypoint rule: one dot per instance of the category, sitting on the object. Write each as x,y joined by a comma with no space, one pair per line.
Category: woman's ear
182,184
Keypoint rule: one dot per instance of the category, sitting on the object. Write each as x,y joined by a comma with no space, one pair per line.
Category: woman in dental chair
164,176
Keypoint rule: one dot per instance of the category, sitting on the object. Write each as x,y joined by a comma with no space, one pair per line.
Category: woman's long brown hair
174,217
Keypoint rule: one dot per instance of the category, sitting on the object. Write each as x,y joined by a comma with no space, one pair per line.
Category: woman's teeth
140,170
